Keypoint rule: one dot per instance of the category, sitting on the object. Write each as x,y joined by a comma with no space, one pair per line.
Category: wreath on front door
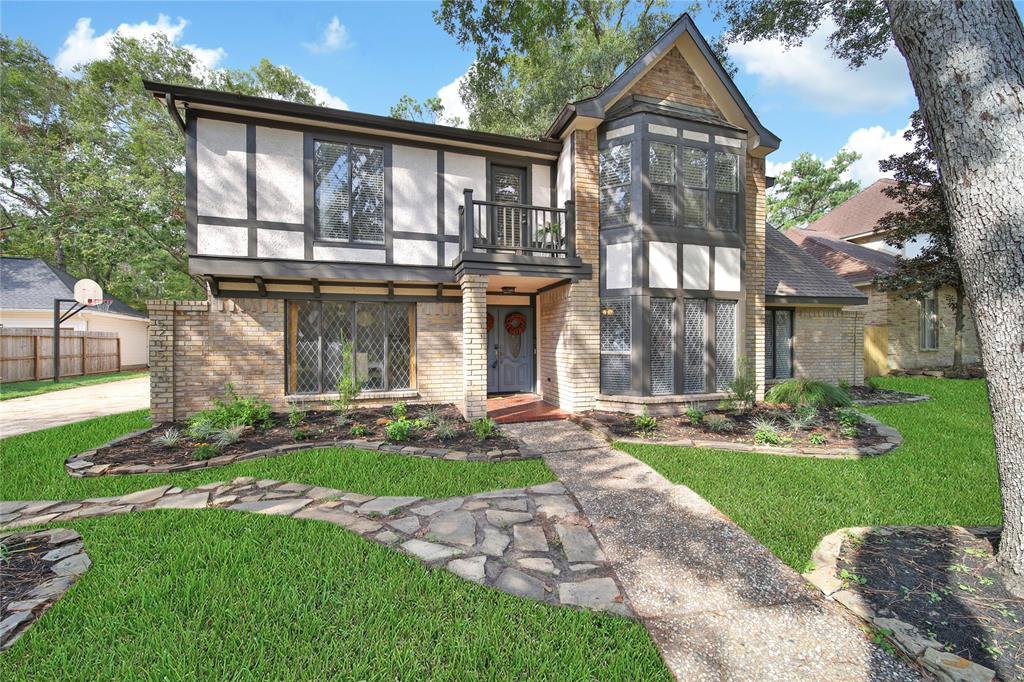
490,322
515,324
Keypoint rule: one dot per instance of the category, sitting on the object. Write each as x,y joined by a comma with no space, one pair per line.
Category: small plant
695,416
432,415
200,428
229,436
342,420
850,432
807,392
743,387
445,430
296,415
168,439
718,423
844,386
849,417
348,385
398,431
421,424
204,451
400,410
849,577
299,434
645,424
818,438
802,419
359,431
766,431
484,428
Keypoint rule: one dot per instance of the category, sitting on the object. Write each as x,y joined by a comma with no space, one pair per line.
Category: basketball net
102,305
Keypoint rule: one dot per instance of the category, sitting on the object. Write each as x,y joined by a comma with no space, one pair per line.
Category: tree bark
958,331
966,61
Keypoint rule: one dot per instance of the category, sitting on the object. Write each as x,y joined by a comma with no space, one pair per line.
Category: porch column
474,345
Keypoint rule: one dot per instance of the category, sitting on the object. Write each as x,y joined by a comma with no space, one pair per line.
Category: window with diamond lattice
661,348
725,344
380,337
615,178
662,174
694,344
616,345
778,335
348,192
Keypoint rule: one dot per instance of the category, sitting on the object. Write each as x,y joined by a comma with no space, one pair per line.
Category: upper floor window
930,321
708,187
348,192
615,178
726,190
695,188
662,173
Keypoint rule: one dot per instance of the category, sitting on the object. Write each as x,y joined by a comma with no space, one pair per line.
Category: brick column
753,274
161,360
474,345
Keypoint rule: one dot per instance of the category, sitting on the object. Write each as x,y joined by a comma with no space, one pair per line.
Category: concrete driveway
22,415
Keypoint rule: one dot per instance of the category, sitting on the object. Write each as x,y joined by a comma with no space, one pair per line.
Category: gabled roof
858,215
852,262
32,284
597,107
793,276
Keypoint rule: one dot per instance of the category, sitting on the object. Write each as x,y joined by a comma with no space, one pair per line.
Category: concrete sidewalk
717,603
43,411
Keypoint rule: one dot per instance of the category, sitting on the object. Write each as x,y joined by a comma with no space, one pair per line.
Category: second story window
616,177
662,173
349,192
726,190
695,188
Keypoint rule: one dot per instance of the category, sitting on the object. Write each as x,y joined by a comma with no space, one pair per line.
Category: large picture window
694,344
615,178
930,321
778,346
348,191
725,344
616,345
380,336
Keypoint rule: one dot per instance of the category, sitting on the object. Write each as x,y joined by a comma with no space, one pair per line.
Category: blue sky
365,55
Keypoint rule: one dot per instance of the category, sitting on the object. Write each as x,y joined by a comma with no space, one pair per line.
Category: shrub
743,387
806,392
358,430
398,431
296,415
484,428
300,434
766,431
445,430
818,438
844,386
231,410
168,439
696,416
226,437
718,423
849,417
849,432
645,424
433,415
205,451
348,385
400,410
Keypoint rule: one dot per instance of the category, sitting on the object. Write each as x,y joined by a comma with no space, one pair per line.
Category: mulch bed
869,395
944,582
316,426
681,428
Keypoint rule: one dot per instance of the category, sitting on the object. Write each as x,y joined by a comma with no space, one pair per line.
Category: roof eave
779,299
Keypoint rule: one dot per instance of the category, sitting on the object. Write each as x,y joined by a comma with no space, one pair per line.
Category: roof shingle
859,214
32,284
792,273
852,262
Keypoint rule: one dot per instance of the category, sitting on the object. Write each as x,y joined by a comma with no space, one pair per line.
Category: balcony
508,238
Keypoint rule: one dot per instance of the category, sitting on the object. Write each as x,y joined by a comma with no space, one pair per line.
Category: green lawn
23,389
944,473
213,594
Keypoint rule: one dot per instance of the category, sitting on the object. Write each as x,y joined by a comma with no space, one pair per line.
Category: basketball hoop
102,306
88,292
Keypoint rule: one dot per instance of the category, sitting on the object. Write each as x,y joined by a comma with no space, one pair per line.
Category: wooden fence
27,354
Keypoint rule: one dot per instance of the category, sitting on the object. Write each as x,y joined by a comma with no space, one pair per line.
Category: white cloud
811,72
325,97
774,170
874,144
335,37
82,45
453,106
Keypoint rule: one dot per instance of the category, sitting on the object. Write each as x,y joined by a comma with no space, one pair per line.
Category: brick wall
828,345
672,79
753,273
552,370
197,347
474,345
904,334
439,352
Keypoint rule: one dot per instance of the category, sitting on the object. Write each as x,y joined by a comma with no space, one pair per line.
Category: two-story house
620,261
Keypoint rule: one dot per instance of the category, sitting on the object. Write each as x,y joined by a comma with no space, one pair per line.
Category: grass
33,468
213,594
219,595
23,389
944,473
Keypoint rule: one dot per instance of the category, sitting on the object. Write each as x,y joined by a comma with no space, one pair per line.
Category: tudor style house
899,334
621,261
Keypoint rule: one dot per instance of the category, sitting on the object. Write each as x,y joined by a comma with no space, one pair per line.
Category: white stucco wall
461,171
618,266
222,240
280,244
279,170
564,173
727,269
662,265
220,168
540,185
414,190
696,267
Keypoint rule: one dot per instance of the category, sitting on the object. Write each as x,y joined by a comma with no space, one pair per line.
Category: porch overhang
489,263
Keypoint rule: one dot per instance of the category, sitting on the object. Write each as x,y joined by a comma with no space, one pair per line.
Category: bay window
616,177
616,345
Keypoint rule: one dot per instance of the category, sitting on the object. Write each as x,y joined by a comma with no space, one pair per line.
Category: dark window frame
771,343
928,316
350,144
628,186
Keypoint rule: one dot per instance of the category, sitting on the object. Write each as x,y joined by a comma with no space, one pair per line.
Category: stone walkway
717,603
22,415
531,542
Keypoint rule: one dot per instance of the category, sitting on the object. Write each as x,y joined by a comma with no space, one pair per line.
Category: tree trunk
958,331
966,61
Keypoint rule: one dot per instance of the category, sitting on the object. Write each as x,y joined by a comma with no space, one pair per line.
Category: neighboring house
899,334
28,287
619,261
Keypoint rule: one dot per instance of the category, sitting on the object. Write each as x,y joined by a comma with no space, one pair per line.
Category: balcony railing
517,229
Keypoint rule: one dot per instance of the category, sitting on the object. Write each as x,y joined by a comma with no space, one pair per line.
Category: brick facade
753,269
828,345
552,371
439,352
672,79
474,346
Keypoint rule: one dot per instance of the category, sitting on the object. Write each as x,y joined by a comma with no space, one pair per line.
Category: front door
508,188
509,349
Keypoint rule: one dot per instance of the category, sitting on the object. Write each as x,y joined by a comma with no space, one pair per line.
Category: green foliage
810,188
849,417
204,451
200,428
766,431
695,416
432,415
801,419
849,431
400,410
168,439
484,428
398,431
233,410
348,385
358,430
807,392
228,436
719,423
445,430
817,438
645,424
421,424
430,110
296,415
743,387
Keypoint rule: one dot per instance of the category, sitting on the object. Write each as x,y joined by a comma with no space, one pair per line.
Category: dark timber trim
837,301
250,186
238,266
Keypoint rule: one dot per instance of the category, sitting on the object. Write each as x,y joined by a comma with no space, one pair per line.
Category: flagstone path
717,603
